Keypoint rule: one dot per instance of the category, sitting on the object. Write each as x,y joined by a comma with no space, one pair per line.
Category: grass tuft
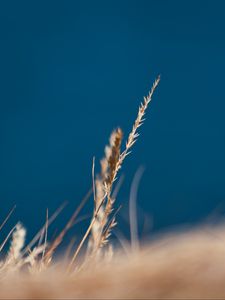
38,255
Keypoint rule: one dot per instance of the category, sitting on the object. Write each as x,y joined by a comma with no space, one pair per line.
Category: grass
184,265
38,255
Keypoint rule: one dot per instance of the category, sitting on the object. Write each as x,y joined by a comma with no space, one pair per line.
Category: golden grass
190,265
100,224
185,265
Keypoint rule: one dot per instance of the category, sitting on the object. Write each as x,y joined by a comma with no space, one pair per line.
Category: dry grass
190,265
175,266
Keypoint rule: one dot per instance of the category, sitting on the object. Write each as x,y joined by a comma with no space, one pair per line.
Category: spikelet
108,164
132,138
111,164
18,241
116,159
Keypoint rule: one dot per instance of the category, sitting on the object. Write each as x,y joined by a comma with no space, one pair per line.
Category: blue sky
71,71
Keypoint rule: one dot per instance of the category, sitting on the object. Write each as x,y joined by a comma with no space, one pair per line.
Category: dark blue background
71,71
